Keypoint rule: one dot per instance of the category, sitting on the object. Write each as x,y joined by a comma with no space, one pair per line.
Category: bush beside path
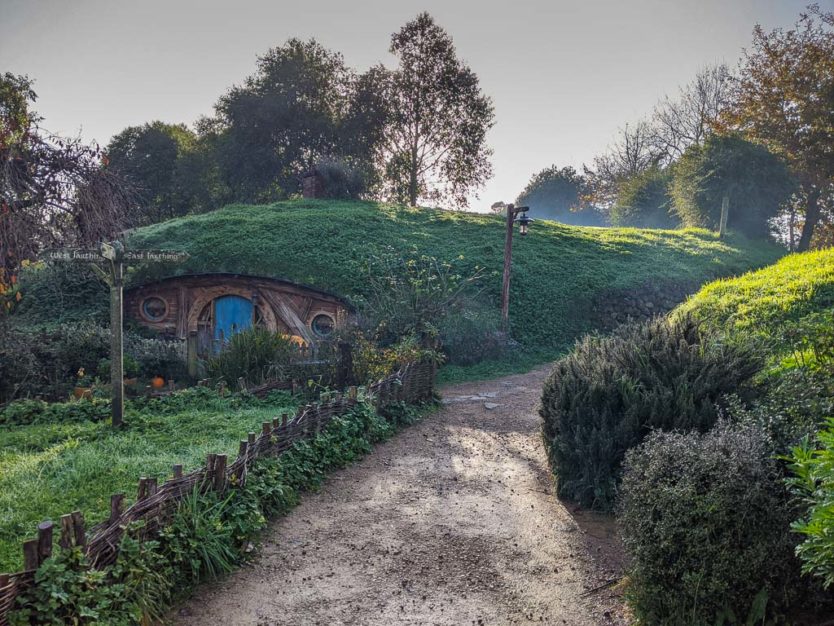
453,521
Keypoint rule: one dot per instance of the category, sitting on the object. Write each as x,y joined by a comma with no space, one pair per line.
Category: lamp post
514,214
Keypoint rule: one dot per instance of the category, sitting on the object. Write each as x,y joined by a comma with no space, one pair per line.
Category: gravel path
453,521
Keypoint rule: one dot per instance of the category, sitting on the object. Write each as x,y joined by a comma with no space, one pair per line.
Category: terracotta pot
157,382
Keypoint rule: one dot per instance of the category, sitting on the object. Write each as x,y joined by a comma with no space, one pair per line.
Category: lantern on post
519,215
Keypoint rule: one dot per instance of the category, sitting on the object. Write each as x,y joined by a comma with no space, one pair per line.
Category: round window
323,325
154,309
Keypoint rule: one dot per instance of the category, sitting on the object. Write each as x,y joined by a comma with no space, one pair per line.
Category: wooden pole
117,342
725,209
508,259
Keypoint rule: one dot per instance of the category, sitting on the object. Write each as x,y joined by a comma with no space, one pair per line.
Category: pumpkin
157,382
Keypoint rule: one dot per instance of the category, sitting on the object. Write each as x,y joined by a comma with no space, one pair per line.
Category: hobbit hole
206,310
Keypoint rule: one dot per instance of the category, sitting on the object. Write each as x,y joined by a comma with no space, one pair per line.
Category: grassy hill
764,301
558,270
787,306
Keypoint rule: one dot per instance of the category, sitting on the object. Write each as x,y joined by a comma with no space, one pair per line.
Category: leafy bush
156,357
813,483
256,355
610,392
46,362
342,180
472,334
705,519
412,295
62,293
23,412
135,590
644,201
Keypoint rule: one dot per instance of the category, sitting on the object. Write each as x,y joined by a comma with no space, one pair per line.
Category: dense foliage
610,392
49,362
255,355
705,519
813,482
643,201
756,182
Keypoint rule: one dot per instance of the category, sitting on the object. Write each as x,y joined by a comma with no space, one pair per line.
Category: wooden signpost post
116,256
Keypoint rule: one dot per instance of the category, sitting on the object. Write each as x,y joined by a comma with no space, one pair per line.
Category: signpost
116,256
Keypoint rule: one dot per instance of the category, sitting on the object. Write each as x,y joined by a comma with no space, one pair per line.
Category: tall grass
50,470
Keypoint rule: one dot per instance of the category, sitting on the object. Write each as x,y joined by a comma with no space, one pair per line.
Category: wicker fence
155,504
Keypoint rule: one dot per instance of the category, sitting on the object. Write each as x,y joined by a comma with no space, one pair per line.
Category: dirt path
453,521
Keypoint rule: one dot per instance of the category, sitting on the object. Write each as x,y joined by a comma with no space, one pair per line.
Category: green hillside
558,269
763,302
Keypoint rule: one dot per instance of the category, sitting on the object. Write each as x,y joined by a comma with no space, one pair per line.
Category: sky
564,75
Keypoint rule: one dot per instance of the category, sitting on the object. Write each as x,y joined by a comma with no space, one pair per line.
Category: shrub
472,334
341,179
609,392
256,355
813,483
23,412
644,201
706,522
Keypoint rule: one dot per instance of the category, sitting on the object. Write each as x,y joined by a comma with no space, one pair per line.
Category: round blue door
232,314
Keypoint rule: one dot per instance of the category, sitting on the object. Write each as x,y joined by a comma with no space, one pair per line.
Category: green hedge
610,392
706,522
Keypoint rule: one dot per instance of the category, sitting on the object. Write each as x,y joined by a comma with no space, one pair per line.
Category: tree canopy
557,194
434,141
756,182
783,98
153,157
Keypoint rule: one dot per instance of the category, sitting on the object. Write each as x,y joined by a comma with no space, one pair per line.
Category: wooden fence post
220,473
30,555
44,541
116,504
66,532
78,529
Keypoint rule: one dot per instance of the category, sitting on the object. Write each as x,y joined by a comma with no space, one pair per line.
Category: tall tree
784,98
53,190
556,194
281,120
152,156
686,120
633,152
434,145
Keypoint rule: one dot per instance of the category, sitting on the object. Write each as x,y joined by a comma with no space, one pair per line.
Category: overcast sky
564,74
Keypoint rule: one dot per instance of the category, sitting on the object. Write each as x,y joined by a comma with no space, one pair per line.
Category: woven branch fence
156,504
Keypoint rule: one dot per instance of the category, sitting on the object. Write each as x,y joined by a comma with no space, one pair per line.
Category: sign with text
108,252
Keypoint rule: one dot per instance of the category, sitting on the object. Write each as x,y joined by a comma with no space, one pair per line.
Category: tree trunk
812,216
412,180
